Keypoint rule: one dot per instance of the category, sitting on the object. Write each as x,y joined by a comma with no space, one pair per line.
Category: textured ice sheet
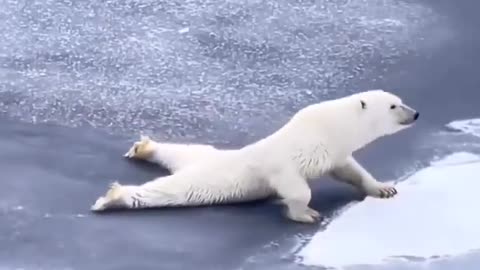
192,65
432,216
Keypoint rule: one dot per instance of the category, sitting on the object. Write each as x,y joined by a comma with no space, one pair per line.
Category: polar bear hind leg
173,156
353,173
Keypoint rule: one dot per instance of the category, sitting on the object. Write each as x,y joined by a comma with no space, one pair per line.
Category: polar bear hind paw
100,205
140,149
113,195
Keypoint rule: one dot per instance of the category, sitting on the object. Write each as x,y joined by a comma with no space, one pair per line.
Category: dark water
81,79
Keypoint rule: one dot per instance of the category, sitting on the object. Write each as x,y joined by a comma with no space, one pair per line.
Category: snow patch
469,126
434,215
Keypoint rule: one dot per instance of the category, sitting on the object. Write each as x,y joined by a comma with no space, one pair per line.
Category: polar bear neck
318,135
330,121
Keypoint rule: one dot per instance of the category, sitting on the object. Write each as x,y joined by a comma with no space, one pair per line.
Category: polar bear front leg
353,173
296,195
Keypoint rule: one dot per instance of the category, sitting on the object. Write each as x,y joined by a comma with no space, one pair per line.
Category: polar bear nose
416,115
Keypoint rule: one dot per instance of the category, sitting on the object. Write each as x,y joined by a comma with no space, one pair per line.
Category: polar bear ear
363,104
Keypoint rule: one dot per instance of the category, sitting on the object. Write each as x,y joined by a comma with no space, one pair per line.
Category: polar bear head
382,113
351,122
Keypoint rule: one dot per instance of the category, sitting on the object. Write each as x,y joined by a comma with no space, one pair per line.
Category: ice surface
469,126
434,214
196,65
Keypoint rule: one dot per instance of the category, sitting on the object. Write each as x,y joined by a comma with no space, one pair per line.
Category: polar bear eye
393,107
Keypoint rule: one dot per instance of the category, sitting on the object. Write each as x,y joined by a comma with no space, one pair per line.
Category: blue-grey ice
181,68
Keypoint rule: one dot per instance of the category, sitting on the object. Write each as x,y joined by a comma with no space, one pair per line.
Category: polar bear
319,139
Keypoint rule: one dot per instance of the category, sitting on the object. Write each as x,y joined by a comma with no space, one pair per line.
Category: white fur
319,139
178,156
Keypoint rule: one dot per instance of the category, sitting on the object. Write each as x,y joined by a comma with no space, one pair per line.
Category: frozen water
191,65
433,215
469,126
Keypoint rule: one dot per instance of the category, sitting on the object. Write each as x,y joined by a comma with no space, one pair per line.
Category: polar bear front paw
382,190
309,215
313,213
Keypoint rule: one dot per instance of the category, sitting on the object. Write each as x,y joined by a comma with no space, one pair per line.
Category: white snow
469,126
434,214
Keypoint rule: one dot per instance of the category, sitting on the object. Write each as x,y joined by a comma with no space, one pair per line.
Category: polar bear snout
408,115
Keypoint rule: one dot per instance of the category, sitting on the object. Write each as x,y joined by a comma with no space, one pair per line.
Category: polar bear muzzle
407,115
